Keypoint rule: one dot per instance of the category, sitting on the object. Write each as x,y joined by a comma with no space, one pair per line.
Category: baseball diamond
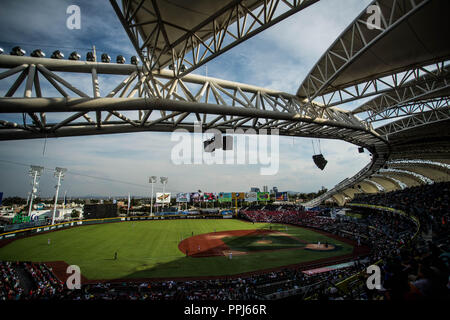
167,249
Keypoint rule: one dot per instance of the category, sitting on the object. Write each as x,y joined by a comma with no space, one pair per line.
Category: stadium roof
411,34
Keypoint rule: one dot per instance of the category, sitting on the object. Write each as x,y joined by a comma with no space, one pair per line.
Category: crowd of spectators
429,203
258,286
44,283
10,288
412,269
421,269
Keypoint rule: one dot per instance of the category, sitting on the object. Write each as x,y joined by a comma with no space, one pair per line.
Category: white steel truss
415,121
232,24
419,76
416,176
349,46
411,108
214,102
427,90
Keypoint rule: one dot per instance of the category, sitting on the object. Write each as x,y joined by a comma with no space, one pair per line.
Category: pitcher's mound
319,247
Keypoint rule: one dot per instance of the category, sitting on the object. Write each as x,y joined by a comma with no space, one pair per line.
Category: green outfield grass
149,249
253,243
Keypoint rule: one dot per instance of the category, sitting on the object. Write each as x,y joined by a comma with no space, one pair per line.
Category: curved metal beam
378,187
420,179
388,183
414,121
179,102
434,171
424,92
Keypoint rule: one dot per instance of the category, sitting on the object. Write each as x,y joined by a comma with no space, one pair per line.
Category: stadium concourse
414,268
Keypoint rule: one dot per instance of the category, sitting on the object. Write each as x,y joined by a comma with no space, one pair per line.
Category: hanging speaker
320,161
209,145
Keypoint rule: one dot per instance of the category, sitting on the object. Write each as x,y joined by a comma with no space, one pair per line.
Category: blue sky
278,58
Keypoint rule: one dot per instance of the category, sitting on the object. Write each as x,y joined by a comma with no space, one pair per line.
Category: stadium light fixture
120,59
57,55
90,57
152,180
74,56
59,173
17,51
134,60
164,182
38,53
105,58
35,172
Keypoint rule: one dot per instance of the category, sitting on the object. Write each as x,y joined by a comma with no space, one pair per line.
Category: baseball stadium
379,234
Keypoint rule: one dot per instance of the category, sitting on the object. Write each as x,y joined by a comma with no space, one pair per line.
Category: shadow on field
219,267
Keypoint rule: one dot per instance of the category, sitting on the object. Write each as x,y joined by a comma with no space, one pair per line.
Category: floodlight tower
152,180
59,173
35,172
164,182
28,198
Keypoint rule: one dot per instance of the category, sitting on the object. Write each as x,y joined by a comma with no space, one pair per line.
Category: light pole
59,173
164,182
34,172
64,202
152,180
28,198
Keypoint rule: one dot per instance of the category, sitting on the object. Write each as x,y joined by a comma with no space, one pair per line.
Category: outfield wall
64,225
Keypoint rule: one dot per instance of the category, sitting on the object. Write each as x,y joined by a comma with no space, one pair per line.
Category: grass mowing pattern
148,249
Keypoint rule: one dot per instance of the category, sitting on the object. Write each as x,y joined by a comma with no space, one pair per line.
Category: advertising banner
263,196
281,196
209,197
251,197
238,195
183,197
162,197
195,197
224,197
